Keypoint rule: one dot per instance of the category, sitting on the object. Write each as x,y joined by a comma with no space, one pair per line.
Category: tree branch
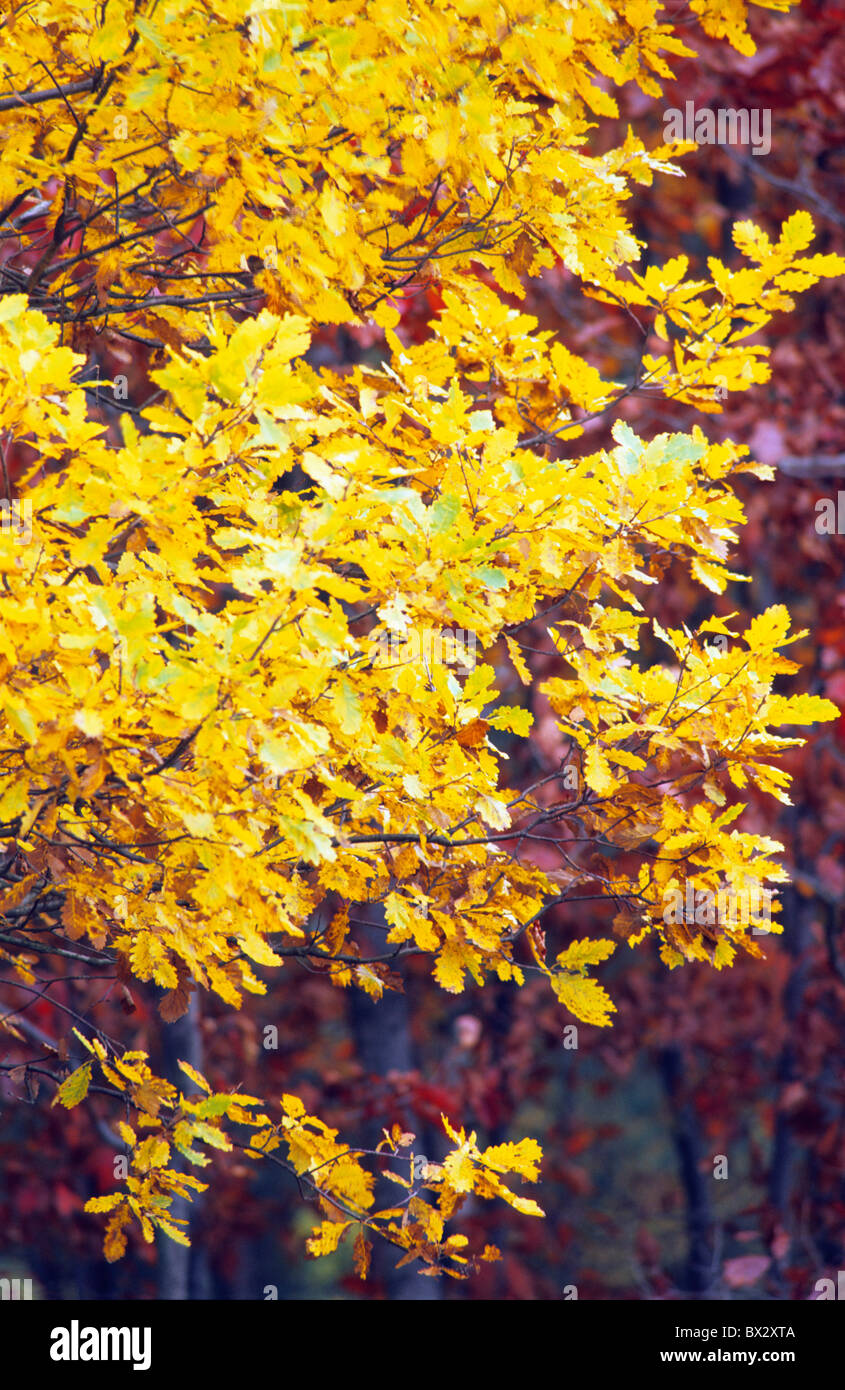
70,89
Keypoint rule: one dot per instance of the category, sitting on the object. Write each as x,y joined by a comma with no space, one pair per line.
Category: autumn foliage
225,746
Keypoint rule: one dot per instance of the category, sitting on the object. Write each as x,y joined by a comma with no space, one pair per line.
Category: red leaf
745,1269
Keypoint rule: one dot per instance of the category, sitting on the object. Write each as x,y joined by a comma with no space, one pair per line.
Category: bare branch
70,89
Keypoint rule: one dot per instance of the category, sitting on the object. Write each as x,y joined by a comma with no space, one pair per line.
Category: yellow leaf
522,1157
172,1231
327,1237
113,1199
598,772
585,998
152,1153
518,661
195,1076
74,1088
580,954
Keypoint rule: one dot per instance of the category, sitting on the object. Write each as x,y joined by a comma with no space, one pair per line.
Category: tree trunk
381,1029
688,1145
183,1272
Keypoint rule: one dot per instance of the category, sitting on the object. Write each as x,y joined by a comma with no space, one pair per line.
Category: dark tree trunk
382,1033
183,1272
797,915
688,1146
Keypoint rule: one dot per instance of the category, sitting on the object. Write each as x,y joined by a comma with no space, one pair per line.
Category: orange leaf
473,733
362,1253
